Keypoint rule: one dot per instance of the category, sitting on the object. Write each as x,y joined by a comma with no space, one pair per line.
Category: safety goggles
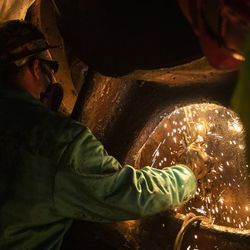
49,64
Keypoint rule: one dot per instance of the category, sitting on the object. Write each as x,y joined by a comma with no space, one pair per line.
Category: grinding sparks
199,127
221,200
202,134
235,126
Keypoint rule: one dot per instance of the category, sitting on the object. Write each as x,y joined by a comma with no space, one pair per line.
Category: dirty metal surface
152,233
194,72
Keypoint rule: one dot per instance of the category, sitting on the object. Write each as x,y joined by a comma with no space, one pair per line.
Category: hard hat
20,41
221,26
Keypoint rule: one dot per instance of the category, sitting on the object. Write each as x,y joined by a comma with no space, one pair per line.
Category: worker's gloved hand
195,157
201,165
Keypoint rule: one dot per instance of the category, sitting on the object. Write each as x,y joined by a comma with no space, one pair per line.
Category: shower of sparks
202,134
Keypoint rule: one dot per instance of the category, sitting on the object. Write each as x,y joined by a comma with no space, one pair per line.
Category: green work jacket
53,170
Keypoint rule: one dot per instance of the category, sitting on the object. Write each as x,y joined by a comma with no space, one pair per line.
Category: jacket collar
17,94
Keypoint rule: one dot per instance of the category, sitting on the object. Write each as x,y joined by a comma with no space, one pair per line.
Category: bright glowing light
235,126
200,127
238,56
205,135
221,200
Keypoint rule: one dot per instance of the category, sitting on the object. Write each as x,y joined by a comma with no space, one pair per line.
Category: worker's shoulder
58,123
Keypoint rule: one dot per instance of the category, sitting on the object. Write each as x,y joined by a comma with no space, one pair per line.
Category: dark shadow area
116,37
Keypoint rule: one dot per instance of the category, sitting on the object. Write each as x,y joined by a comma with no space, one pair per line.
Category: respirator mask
53,95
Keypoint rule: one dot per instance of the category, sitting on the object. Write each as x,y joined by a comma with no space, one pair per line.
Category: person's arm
92,185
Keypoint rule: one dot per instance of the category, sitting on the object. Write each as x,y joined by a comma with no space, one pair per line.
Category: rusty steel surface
105,103
195,72
153,233
122,113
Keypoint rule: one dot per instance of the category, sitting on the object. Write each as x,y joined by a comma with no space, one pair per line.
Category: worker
52,169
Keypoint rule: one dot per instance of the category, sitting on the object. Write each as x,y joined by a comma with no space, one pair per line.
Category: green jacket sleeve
92,185
241,100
